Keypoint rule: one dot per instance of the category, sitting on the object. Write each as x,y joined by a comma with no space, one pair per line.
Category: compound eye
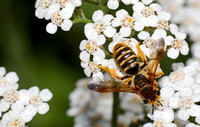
157,92
145,101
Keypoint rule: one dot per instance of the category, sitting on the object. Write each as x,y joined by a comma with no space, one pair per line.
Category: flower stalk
115,109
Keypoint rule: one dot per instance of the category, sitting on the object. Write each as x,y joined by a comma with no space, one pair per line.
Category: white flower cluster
58,11
95,109
180,95
148,22
17,107
186,13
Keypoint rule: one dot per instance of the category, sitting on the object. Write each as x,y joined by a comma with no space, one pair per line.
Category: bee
139,73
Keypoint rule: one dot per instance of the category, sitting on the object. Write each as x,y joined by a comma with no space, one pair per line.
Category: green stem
78,20
115,109
93,1
80,16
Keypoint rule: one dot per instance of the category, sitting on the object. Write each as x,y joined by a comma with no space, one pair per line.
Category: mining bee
139,72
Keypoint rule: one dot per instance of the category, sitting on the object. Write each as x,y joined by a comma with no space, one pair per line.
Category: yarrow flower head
16,105
102,24
59,11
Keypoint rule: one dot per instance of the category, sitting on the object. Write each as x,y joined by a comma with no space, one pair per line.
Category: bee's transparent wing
110,86
156,54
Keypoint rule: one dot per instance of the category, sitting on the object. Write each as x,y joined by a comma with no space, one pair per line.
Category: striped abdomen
126,59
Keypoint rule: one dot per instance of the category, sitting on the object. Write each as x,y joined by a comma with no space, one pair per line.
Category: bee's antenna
159,103
153,108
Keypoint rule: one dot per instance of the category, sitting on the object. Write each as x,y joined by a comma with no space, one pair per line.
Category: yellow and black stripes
126,59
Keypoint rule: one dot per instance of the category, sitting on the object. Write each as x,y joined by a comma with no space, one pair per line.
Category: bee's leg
112,72
159,73
127,80
141,54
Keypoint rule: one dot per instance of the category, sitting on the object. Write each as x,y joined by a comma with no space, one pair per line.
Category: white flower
179,78
16,118
187,106
38,100
58,20
102,24
113,4
126,22
42,7
92,67
12,98
162,118
148,41
178,45
167,98
146,14
127,2
92,47
163,23
7,79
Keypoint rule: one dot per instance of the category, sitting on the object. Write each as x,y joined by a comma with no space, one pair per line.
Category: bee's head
153,98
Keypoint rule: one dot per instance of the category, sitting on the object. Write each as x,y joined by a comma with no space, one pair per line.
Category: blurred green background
48,61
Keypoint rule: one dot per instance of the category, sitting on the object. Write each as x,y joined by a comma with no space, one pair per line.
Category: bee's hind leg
112,72
141,54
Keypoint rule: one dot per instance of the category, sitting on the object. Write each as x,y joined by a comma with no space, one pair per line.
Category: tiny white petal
143,35
147,1
116,22
99,55
44,108
4,106
51,28
100,40
195,110
110,31
173,28
138,6
107,19
138,26
121,13
66,25
98,75
91,34
156,7
184,50
97,15
12,77
34,91
180,35
39,12
76,3
173,53
84,56
113,4
183,115
87,71
2,71
174,102
125,31
166,92
46,95
82,45
17,107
